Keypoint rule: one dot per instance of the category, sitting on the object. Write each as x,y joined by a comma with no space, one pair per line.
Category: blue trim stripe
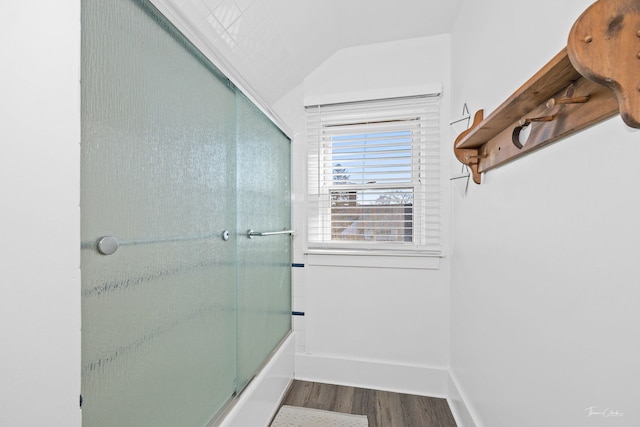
297,313
297,265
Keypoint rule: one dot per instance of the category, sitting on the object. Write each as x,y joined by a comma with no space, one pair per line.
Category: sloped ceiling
273,44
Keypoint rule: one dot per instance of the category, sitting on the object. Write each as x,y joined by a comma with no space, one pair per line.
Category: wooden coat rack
595,77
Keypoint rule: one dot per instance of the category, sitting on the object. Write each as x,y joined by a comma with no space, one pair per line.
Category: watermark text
602,412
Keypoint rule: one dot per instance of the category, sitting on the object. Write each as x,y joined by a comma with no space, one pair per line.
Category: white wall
371,321
545,288
40,217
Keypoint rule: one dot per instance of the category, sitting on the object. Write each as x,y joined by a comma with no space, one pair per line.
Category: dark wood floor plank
323,396
436,412
364,403
391,410
420,411
344,399
382,408
298,394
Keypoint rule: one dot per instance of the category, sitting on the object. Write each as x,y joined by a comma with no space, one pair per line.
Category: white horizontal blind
373,174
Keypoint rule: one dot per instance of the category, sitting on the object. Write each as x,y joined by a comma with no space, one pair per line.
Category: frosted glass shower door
158,174
264,263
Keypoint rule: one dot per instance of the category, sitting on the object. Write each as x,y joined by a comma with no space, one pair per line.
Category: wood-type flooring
383,408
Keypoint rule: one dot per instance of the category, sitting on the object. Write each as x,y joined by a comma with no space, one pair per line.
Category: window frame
321,166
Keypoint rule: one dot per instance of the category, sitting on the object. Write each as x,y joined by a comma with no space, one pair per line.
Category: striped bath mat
294,416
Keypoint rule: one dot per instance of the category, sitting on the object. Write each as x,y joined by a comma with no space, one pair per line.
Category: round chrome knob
107,245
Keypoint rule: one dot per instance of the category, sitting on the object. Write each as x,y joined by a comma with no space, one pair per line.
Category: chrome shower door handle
251,234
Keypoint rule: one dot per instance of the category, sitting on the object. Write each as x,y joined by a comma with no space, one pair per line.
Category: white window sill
372,259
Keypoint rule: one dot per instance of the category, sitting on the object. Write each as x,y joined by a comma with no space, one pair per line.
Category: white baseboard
457,403
260,400
398,378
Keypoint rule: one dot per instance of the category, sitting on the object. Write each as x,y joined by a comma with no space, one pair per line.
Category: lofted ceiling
272,45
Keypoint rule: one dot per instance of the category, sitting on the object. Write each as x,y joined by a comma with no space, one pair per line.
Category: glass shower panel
264,263
158,173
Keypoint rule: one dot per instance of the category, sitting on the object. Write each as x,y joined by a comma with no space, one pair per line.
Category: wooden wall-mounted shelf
596,77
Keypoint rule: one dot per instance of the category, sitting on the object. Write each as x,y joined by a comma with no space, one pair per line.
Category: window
373,174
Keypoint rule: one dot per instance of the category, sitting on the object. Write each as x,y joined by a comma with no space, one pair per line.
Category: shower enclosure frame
166,259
